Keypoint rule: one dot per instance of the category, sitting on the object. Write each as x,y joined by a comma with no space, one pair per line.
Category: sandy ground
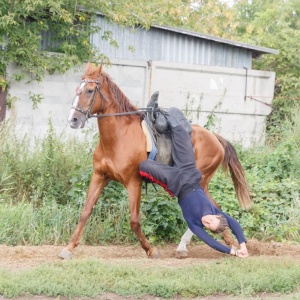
24,257
20,257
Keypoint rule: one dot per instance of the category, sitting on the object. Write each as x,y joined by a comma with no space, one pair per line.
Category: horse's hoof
65,254
181,254
153,253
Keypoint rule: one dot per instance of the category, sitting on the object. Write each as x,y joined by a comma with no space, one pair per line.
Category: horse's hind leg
96,186
182,251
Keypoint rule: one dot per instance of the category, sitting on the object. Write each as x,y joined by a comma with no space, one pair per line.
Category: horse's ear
88,68
100,69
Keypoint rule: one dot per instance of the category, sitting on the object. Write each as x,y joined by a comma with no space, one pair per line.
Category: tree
213,17
22,23
274,24
70,24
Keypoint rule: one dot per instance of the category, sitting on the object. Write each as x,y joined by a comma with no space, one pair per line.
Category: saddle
157,131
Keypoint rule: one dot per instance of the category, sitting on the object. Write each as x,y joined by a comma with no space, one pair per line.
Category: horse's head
89,98
99,96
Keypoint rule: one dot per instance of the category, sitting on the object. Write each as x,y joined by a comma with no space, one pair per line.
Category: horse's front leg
134,194
96,186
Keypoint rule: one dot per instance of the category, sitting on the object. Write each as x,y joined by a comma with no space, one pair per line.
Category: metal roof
257,50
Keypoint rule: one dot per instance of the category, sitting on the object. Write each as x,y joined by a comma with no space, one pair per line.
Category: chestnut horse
122,146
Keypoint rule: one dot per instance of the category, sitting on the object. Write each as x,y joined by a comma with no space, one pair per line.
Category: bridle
103,98
79,90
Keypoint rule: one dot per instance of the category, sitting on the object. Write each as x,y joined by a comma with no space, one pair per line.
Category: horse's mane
122,103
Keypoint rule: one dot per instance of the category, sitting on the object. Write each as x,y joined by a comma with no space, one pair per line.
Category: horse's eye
90,91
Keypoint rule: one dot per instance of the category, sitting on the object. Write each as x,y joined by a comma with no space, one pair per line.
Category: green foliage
274,24
22,23
92,277
161,216
144,13
24,223
39,171
110,220
69,25
53,176
274,177
36,99
163,219
215,17
46,183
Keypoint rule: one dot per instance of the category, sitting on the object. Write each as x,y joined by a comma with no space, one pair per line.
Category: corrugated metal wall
163,45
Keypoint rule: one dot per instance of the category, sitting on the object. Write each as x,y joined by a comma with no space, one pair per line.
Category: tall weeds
273,172
43,187
40,170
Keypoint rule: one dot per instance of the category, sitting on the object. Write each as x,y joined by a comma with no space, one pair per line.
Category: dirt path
26,257
20,257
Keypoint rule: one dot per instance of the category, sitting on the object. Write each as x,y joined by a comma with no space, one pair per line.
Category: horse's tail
232,163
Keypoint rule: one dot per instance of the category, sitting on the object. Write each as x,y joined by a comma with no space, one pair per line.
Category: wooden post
3,94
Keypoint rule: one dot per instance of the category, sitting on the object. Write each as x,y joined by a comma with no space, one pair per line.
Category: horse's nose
73,122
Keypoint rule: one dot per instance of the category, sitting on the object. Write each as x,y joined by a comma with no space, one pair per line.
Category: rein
123,113
88,114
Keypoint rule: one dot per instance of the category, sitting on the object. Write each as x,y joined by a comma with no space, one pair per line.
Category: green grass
24,224
93,277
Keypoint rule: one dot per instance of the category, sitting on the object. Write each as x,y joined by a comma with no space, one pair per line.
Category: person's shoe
179,115
153,105
153,100
161,123
171,120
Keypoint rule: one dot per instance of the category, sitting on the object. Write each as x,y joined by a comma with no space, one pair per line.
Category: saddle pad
147,135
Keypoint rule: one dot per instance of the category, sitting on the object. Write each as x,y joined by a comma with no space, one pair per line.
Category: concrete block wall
240,99
201,90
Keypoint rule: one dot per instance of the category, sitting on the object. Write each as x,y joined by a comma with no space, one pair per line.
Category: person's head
215,223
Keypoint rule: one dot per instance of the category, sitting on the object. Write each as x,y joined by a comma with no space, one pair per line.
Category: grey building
208,77
169,44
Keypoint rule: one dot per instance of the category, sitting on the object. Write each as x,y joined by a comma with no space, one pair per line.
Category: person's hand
243,251
240,253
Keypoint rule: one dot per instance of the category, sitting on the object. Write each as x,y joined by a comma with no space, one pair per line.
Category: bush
273,172
162,218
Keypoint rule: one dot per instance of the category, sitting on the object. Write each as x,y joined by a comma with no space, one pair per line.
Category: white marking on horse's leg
185,240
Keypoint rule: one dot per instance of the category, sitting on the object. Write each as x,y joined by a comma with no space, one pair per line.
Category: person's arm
207,239
235,228
238,232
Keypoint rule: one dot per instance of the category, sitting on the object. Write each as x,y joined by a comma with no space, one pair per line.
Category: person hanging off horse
183,181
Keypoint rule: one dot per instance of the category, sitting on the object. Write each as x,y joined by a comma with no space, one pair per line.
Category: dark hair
222,225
